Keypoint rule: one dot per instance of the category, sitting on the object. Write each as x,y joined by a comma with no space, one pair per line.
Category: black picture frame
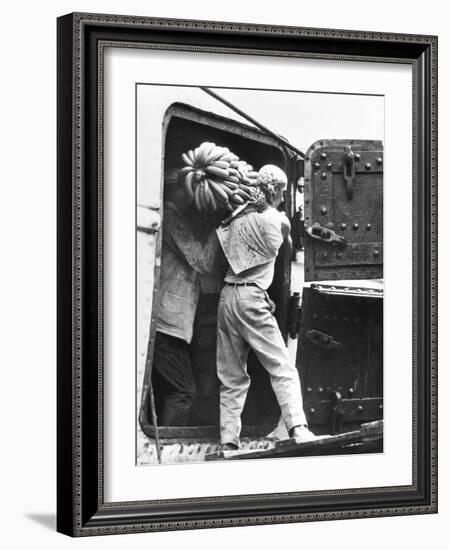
81,510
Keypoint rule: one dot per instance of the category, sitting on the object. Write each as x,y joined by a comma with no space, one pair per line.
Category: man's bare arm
285,229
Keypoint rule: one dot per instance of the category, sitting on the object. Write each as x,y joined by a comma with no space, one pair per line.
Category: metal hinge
349,171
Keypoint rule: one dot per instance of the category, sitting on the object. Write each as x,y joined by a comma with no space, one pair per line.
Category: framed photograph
247,274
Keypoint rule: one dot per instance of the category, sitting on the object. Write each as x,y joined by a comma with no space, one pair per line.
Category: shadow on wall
46,520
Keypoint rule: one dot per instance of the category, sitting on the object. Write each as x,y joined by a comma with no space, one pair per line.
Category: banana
221,164
230,184
186,169
237,198
243,194
210,195
199,154
230,157
191,156
229,192
195,154
212,199
216,154
208,151
188,186
252,174
206,194
215,171
233,172
204,197
204,151
218,190
187,160
234,164
233,179
196,197
246,188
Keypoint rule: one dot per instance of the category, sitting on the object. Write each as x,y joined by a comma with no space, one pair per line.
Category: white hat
270,179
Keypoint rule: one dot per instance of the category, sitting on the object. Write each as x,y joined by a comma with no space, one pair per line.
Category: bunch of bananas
215,178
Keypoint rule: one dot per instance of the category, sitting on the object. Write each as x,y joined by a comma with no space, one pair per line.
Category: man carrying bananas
186,255
245,313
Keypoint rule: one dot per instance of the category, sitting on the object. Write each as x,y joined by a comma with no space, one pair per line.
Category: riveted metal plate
354,410
353,317
355,215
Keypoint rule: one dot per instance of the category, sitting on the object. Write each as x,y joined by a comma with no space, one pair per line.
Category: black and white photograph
259,273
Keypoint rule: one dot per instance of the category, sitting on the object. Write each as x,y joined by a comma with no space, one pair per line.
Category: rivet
323,175
309,389
351,391
355,226
375,253
359,408
330,225
368,165
315,316
379,160
381,407
323,156
323,210
329,165
316,165
312,410
357,157
342,226
368,226
324,255
320,389
339,254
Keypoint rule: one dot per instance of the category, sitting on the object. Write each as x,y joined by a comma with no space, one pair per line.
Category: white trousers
245,320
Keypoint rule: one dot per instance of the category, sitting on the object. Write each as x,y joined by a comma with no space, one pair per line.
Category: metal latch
323,340
317,231
349,171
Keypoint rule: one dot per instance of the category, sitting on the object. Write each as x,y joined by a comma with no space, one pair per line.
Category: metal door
343,186
340,355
